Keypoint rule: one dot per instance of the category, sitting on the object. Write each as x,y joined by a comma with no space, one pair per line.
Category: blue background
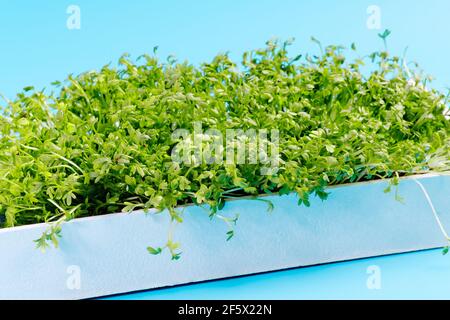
37,48
419,275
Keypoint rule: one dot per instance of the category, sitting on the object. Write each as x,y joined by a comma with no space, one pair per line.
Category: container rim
152,210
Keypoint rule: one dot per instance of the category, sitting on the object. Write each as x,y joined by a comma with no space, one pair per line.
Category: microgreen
384,36
103,143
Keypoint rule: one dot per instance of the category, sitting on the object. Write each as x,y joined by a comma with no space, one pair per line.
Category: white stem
438,220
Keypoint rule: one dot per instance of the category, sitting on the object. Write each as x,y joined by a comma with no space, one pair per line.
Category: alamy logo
73,281
238,146
374,19
374,279
74,20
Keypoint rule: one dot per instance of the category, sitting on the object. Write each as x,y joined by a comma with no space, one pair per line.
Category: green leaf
221,204
176,256
154,251
330,148
385,34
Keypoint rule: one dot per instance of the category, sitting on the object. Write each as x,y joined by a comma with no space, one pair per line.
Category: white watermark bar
236,146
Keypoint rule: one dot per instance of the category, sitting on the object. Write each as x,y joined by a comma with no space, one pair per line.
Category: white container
107,255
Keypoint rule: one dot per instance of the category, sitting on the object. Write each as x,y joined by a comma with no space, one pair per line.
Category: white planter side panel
107,255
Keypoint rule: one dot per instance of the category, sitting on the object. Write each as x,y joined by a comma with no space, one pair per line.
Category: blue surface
417,275
37,48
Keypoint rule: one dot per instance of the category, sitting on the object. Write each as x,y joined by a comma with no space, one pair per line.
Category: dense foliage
103,143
